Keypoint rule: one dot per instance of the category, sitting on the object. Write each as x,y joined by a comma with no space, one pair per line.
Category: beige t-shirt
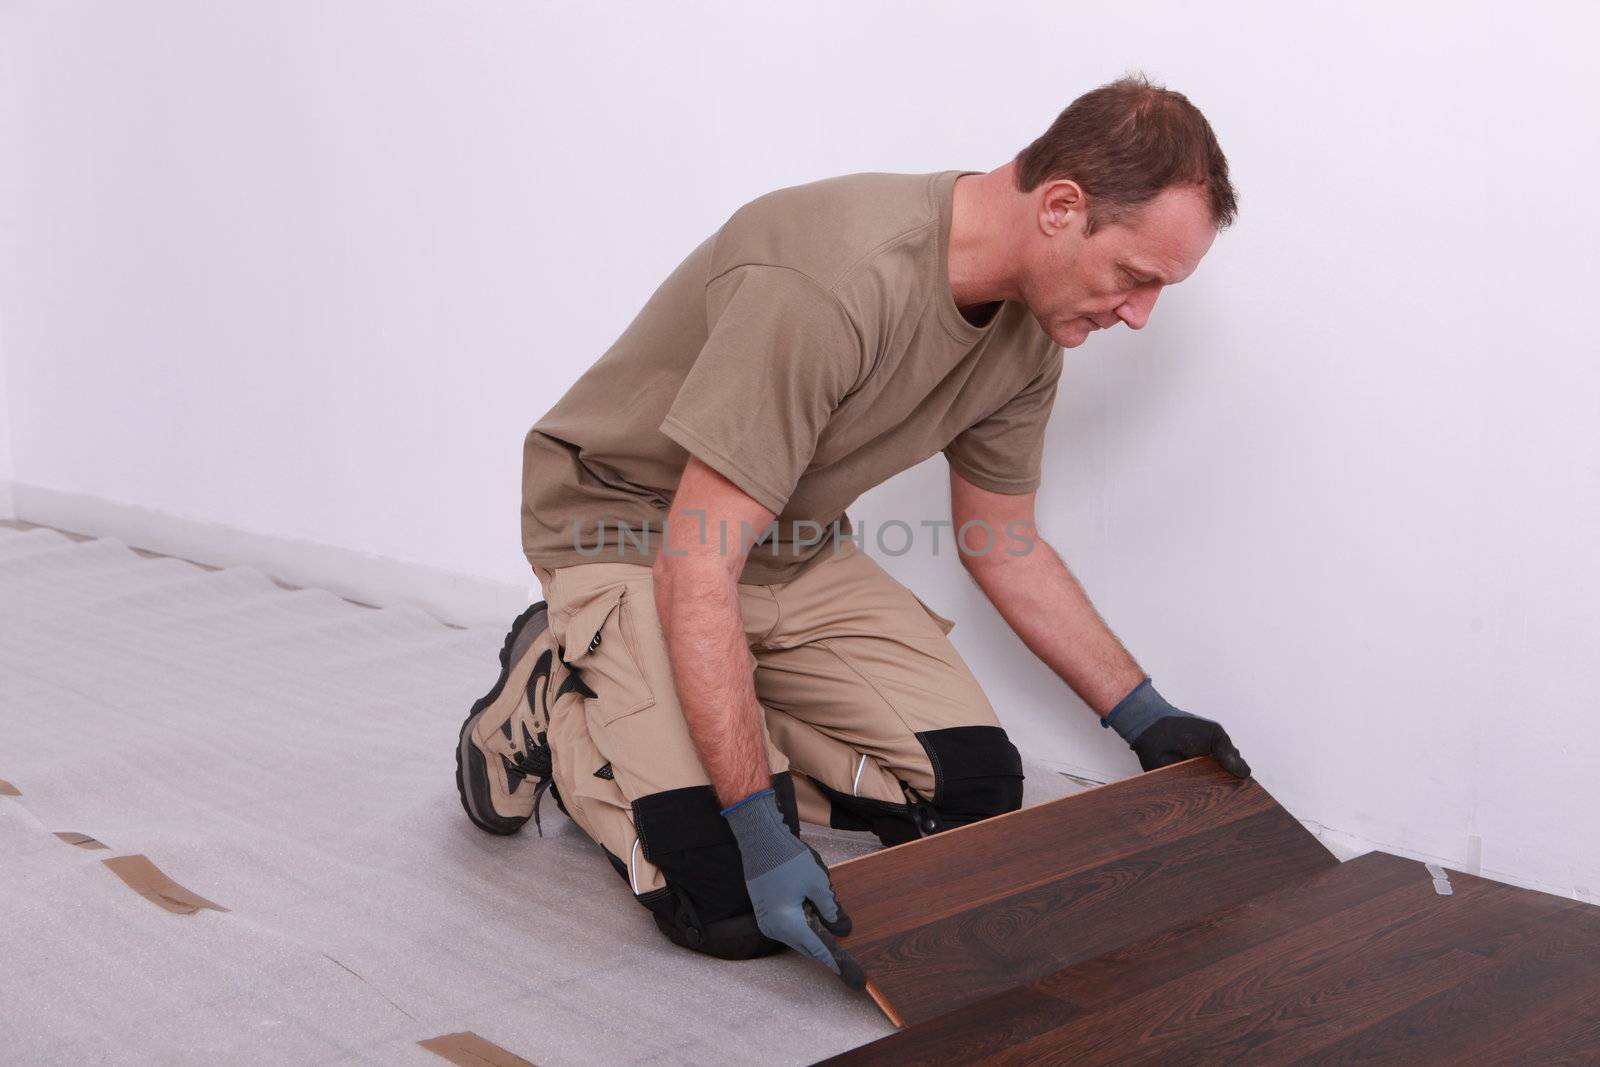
807,351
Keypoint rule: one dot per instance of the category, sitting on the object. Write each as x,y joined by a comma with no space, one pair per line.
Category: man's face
1075,285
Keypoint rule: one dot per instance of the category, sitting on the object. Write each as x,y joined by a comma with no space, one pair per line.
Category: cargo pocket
944,624
599,647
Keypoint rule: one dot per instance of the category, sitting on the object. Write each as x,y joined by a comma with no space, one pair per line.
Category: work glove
789,886
1160,734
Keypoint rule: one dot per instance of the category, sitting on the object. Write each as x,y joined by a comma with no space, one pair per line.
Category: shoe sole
476,802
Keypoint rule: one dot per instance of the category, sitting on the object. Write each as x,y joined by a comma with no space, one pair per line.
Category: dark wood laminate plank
1540,1004
1573,1040
1117,976
1029,934
1362,964
950,919
1142,965
909,885
1302,991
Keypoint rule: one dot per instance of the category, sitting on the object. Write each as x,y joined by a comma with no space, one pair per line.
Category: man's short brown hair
1125,142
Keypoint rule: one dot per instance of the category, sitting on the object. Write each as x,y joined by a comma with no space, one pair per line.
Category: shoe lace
533,758
534,761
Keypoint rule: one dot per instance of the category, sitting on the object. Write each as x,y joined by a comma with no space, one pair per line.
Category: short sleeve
1004,452
780,355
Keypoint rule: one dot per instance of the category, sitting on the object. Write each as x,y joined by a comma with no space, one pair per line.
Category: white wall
7,511
310,270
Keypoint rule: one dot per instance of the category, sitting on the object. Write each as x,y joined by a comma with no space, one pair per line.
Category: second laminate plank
1305,990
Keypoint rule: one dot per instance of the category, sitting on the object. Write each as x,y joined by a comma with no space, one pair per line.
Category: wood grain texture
1359,963
954,918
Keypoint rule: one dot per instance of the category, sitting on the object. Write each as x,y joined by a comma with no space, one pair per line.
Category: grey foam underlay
289,755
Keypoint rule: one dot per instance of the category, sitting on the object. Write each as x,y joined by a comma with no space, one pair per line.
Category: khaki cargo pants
871,719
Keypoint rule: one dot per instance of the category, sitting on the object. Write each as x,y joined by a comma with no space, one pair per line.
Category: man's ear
1062,205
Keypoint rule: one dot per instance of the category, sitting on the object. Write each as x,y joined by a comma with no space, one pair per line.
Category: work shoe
502,760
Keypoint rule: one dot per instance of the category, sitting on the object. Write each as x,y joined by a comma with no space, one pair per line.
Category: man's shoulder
830,228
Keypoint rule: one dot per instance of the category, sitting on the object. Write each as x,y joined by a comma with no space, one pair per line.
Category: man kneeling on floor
687,697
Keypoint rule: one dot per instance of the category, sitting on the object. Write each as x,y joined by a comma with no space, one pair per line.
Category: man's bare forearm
697,600
1044,603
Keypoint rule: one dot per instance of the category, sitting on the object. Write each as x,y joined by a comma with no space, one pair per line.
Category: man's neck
980,254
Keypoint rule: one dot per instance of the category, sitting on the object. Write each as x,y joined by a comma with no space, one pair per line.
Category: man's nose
1135,311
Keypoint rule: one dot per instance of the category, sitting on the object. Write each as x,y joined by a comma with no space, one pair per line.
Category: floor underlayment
289,757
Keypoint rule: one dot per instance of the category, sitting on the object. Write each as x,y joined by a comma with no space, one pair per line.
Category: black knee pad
734,938
977,772
704,905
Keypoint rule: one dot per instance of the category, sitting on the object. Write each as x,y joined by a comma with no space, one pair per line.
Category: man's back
807,351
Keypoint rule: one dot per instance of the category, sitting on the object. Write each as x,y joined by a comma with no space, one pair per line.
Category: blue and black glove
789,886
1160,734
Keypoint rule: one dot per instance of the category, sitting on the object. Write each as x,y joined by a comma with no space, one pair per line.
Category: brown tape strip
146,879
8,790
72,837
467,1049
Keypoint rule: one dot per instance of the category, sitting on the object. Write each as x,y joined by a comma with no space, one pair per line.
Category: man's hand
1160,734
789,887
